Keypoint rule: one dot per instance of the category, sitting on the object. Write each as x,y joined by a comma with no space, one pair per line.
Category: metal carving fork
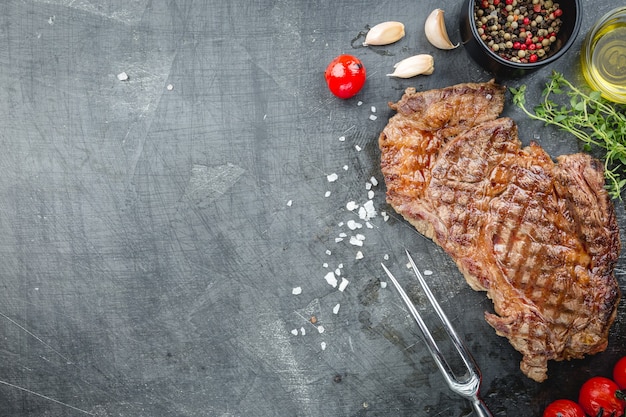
467,385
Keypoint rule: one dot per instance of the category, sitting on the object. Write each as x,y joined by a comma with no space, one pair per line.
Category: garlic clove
384,34
436,33
422,64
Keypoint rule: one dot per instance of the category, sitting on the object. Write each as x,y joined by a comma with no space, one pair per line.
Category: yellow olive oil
603,58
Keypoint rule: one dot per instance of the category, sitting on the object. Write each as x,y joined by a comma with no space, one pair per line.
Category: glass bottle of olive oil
603,56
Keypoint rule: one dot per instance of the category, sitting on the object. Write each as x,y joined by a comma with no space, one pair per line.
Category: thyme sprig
595,121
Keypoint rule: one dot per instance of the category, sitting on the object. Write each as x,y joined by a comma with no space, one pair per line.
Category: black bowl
502,68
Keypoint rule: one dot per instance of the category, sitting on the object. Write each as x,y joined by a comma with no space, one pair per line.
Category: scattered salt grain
356,241
323,345
327,194
343,285
428,272
369,225
370,194
336,308
328,252
320,329
352,225
368,185
373,117
343,234
338,271
302,331
338,239
170,87
352,205
122,76
359,255
331,279
294,332
342,138
386,257
325,264
374,181
373,109
359,103
332,177
289,203
345,167
358,148
385,215
383,284
369,208
297,291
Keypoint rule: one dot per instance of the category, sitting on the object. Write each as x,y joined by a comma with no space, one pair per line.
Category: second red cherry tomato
619,373
600,397
345,76
563,408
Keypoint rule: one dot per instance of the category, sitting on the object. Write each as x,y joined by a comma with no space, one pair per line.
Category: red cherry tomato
345,76
563,408
619,373
600,397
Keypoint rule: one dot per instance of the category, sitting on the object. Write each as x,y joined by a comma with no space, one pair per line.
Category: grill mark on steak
540,237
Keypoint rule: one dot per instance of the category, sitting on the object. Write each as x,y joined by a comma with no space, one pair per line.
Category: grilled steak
540,237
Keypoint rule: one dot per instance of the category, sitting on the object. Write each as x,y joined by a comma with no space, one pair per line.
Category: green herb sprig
594,120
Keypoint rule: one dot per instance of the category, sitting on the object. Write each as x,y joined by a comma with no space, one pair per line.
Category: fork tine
468,387
442,364
458,344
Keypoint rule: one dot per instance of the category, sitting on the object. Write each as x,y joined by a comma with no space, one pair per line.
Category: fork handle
480,408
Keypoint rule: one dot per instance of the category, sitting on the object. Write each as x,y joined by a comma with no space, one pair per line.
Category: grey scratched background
151,237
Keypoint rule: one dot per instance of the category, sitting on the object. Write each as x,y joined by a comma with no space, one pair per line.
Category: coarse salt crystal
320,329
342,138
356,242
373,109
328,252
358,148
294,332
327,194
343,234
352,225
340,266
338,239
336,308
369,207
296,291
340,224
170,87
368,185
359,103
374,181
373,117
302,331
289,203
122,76
338,271
386,257
359,255
352,205
369,225
370,194
383,284
344,284
345,167
325,264
323,345
428,272
385,215
332,177
331,279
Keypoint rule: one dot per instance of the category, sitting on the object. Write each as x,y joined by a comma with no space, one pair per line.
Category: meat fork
467,385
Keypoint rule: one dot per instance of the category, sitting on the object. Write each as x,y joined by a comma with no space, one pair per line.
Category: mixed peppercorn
520,31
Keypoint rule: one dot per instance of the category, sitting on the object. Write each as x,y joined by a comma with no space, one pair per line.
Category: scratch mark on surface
36,338
45,397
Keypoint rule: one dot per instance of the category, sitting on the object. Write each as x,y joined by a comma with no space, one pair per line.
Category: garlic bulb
384,34
436,33
422,64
